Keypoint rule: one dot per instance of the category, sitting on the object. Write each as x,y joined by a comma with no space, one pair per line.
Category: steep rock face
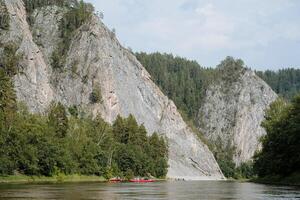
233,109
33,81
97,60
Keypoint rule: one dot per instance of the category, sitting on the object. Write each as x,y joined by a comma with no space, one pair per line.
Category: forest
67,141
285,82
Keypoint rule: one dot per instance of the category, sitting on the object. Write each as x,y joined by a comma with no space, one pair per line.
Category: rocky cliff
233,109
95,59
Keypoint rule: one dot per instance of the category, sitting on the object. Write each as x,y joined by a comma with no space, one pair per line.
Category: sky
263,33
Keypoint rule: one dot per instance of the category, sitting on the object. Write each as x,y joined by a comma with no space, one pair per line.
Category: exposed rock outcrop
96,59
233,109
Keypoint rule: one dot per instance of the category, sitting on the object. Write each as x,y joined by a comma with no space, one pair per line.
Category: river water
160,190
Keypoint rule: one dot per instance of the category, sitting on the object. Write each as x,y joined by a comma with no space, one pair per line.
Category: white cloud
198,28
207,10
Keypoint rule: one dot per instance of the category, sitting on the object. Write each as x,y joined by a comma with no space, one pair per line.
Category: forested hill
184,80
285,82
180,79
190,86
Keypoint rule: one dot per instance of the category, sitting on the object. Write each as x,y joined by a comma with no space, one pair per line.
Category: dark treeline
285,82
280,154
33,144
68,142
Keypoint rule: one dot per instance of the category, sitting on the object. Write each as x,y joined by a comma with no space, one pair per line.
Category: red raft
137,180
115,180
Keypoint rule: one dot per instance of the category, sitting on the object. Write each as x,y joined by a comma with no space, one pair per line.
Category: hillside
226,104
233,109
68,55
182,80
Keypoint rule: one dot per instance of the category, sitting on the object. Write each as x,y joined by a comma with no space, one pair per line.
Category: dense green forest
285,82
280,154
59,143
69,142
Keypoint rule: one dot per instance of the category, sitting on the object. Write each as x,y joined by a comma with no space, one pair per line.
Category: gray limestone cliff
95,59
233,109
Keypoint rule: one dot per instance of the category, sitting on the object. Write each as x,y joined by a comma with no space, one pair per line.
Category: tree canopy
280,154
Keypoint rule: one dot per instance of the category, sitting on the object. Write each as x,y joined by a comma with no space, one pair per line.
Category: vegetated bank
279,160
68,144
60,178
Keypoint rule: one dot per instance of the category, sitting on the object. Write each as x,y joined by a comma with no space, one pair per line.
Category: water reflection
213,190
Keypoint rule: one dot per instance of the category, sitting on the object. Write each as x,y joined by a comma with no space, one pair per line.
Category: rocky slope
233,109
96,60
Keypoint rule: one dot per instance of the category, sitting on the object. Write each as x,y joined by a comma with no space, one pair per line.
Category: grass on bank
61,178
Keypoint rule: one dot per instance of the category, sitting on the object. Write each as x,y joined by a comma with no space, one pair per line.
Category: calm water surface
160,190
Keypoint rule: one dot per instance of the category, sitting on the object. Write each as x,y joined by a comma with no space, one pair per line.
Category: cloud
208,30
207,10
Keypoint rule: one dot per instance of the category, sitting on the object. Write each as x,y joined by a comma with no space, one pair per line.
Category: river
160,190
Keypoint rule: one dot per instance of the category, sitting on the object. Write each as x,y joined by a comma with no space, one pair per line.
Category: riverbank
292,180
54,179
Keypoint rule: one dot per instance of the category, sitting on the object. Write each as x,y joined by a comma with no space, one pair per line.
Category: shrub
95,96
